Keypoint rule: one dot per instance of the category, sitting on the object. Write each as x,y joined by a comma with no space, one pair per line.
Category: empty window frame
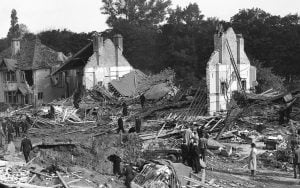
40,95
10,97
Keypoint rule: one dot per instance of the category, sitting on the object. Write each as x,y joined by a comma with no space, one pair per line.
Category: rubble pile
13,174
67,137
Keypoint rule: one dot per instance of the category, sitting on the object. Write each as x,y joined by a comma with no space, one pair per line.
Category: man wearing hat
2,135
26,147
297,158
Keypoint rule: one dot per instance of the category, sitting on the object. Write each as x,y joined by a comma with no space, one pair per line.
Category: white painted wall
220,69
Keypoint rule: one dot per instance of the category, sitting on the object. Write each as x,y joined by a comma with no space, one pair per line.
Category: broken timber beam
41,174
216,124
62,180
53,144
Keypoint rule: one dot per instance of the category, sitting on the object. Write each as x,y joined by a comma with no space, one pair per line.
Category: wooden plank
32,178
62,180
39,173
216,124
162,128
209,122
196,182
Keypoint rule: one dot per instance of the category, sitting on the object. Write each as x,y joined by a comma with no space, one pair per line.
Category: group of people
136,128
138,121
8,127
194,147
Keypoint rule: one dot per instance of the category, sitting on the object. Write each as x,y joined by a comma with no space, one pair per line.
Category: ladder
236,71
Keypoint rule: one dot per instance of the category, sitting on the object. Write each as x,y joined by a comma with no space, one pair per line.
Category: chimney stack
97,42
240,46
118,41
15,46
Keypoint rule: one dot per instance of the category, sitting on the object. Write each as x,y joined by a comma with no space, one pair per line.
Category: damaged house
228,61
98,63
25,73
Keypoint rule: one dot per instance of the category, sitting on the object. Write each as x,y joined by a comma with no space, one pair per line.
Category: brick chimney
240,46
118,41
97,42
15,46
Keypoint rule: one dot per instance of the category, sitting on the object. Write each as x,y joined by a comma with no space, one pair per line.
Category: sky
85,15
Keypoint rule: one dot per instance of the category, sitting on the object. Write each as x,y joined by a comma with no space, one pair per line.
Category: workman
188,134
4,126
17,129
297,159
138,124
203,145
10,131
194,153
125,109
2,135
185,154
120,125
116,160
129,175
26,147
27,124
281,115
288,113
143,100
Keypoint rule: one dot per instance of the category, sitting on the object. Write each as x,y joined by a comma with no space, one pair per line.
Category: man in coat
2,136
116,160
194,154
120,125
26,147
297,158
138,124
203,142
143,100
252,159
125,109
10,131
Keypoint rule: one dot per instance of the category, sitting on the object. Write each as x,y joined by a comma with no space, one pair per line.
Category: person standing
297,159
281,115
27,124
143,100
129,175
138,124
203,142
252,159
120,125
2,135
188,134
125,109
10,131
194,153
17,128
26,147
116,160
4,126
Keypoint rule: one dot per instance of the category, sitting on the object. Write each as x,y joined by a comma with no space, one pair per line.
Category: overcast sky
85,15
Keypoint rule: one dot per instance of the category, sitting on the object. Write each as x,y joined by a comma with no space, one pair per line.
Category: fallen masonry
71,146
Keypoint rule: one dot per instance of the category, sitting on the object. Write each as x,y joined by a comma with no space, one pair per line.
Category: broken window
10,76
223,88
10,97
29,77
40,96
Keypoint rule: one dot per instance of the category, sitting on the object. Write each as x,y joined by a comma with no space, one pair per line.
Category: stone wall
43,83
